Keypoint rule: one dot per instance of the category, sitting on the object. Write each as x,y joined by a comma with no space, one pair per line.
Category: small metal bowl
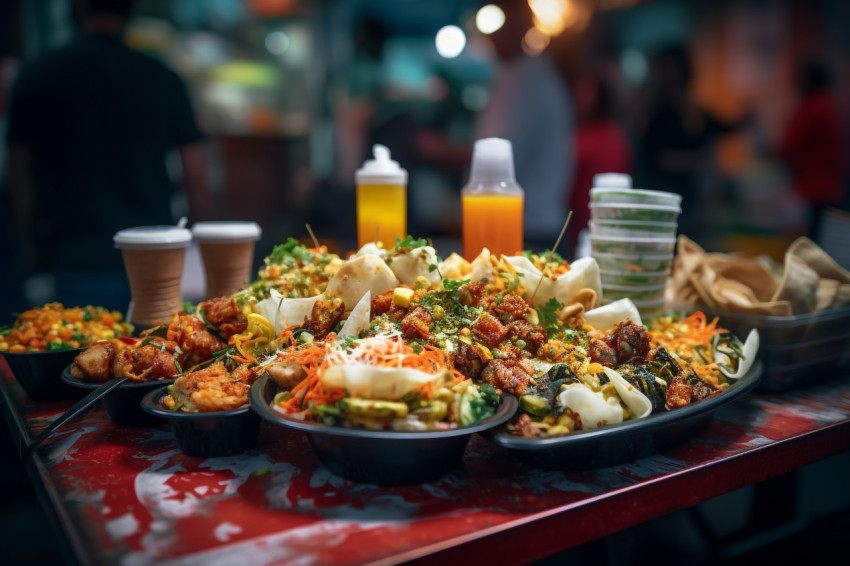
39,373
122,403
383,457
207,435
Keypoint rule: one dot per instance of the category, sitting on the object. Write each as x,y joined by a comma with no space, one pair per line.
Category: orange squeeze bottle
492,201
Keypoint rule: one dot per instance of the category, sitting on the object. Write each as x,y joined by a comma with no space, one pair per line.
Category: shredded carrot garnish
376,351
683,337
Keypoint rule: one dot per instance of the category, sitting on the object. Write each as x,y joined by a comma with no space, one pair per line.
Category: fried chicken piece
225,314
195,341
149,362
488,330
325,315
510,308
600,352
534,336
286,372
95,362
417,324
468,359
472,294
630,342
210,389
510,375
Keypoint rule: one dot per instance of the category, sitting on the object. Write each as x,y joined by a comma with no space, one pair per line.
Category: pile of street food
401,339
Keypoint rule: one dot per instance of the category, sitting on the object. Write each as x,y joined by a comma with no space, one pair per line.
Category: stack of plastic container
633,239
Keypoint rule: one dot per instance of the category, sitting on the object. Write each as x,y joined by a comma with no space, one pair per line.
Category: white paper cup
153,260
227,250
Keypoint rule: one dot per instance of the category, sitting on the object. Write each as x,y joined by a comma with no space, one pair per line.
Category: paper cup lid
152,238
229,232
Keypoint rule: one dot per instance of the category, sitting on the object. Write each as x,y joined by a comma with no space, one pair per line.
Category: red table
127,495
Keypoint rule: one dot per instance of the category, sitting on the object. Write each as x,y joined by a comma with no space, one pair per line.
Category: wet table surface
129,496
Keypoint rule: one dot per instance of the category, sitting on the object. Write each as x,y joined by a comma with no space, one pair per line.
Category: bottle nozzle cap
492,160
381,170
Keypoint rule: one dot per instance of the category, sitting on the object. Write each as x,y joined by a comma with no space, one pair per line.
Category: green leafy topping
348,342
178,366
548,314
292,250
5,329
188,307
408,243
478,405
452,285
549,255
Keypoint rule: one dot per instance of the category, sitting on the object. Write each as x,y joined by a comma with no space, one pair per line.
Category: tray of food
400,351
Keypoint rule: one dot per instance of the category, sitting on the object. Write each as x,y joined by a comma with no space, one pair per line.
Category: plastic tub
634,263
611,244
637,293
633,278
206,435
626,211
796,350
634,196
628,229
123,404
381,457
39,373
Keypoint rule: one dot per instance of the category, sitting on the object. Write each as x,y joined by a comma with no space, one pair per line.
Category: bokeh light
277,42
489,19
450,41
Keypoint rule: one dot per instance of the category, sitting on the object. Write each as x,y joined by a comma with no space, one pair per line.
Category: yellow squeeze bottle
492,201
381,199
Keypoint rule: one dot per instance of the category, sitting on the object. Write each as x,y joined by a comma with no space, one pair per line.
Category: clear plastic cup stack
633,239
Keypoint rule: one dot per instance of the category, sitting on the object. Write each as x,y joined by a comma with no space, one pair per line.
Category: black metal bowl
123,404
38,373
626,441
380,457
207,435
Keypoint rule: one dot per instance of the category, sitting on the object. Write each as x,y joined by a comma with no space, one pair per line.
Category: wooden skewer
552,251
313,236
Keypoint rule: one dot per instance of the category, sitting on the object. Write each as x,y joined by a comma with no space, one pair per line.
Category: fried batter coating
225,314
95,362
149,362
196,343
211,389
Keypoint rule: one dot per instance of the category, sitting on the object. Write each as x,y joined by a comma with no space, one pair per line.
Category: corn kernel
485,351
402,296
107,334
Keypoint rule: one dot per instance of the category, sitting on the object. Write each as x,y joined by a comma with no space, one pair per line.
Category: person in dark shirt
813,145
90,129
601,147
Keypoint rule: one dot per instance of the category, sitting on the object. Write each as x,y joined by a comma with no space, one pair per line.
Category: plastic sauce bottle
381,199
492,201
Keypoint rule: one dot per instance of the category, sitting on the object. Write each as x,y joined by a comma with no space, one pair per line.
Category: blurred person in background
601,147
678,136
530,105
812,145
91,126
